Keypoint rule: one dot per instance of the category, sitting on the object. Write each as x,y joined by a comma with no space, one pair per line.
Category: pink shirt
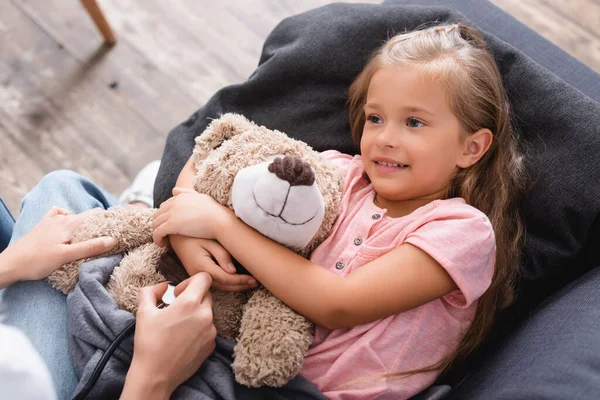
346,363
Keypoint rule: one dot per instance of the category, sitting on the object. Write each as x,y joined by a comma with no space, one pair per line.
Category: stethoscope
165,301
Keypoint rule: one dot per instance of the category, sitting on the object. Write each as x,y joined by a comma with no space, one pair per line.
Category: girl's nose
387,137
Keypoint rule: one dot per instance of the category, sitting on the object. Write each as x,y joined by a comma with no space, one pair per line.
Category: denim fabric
6,225
34,306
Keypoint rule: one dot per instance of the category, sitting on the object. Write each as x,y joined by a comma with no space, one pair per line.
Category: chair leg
96,13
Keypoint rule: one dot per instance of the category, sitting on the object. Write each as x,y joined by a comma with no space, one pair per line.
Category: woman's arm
395,282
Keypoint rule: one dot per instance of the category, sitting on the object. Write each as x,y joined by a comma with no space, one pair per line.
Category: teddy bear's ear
220,130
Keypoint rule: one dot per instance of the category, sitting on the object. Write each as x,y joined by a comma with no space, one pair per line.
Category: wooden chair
96,13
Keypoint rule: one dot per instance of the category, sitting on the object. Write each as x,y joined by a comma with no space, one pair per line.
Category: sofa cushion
553,355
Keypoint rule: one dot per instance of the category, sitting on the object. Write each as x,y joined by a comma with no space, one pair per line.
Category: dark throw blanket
94,322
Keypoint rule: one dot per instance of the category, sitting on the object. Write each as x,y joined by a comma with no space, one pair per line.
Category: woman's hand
170,344
189,213
203,255
47,247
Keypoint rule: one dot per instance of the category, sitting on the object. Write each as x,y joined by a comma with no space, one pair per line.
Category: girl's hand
188,213
203,255
170,344
47,246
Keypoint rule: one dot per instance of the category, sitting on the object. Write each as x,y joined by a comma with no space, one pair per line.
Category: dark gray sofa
547,345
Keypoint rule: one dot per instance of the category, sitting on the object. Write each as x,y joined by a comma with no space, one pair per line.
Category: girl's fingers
179,190
163,210
159,219
221,277
226,279
221,255
159,233
232,288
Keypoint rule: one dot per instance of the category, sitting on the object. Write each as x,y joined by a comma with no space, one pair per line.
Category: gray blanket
94,321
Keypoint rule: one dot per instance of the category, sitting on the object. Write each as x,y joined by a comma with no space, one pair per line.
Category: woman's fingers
77,219
55,210
148,297
194,288
89,248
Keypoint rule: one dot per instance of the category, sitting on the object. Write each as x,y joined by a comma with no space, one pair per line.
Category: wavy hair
457,57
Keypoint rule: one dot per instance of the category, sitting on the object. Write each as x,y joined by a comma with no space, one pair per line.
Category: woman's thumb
90,248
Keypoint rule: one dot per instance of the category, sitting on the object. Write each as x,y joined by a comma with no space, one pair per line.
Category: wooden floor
68,102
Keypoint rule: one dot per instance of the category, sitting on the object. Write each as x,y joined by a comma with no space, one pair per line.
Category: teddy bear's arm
131,226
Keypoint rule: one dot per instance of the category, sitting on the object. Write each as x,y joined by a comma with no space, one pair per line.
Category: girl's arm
398,281
197,254
186,176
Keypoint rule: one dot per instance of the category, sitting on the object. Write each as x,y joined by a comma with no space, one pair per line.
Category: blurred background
68,101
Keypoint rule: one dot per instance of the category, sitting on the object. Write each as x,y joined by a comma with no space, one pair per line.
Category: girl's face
411,140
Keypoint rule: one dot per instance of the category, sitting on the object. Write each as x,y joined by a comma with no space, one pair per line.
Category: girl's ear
474,147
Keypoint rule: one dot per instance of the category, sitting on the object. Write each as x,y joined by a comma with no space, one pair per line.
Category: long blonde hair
457,57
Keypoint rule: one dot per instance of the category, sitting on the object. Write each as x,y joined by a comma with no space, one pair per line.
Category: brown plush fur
271,338
131,226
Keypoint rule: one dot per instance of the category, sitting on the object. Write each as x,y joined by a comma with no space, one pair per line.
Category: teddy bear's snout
293,170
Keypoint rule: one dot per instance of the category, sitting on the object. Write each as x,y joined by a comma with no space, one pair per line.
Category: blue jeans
6,225
34,306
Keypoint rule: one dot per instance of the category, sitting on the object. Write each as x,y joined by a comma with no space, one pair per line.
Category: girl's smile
411,142
386,165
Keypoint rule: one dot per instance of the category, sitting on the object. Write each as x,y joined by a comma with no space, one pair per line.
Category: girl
426,247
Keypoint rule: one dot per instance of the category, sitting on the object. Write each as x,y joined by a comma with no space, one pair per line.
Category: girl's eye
414,123
374,119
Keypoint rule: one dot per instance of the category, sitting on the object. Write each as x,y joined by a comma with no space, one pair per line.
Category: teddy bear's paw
65,278
272,366
227,312
272,342
136,270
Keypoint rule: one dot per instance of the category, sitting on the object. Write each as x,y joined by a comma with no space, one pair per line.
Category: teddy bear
277,185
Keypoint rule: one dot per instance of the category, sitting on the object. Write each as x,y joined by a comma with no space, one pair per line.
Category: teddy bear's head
279,186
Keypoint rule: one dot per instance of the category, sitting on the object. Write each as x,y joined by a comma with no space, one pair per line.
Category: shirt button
376,216
358,241
339,265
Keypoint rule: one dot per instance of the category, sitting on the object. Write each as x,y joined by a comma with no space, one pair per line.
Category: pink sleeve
461,239
339,160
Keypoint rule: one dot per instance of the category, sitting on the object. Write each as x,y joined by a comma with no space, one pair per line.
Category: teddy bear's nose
293,170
